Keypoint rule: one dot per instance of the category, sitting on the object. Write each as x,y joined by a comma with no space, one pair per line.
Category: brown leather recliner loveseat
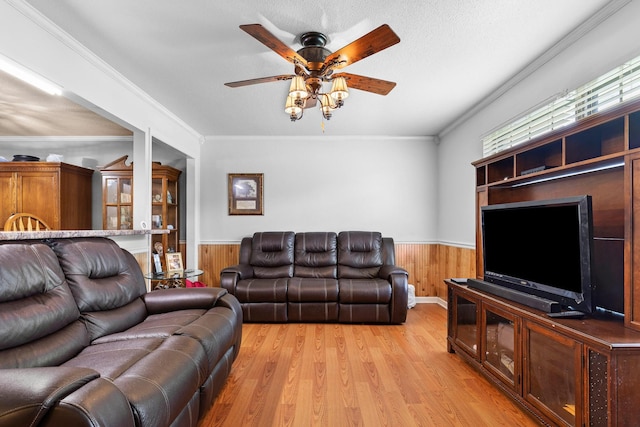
82,343
350,277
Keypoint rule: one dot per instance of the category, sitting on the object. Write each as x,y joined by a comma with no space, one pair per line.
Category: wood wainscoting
142,258
428,264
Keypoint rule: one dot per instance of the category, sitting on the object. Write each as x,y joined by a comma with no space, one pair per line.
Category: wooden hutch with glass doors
117,201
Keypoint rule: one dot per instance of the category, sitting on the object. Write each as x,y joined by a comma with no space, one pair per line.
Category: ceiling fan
314,65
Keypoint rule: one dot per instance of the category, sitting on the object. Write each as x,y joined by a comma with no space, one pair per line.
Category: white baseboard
432,300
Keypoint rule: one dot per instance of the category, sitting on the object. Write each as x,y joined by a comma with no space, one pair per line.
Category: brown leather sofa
83,344
349,277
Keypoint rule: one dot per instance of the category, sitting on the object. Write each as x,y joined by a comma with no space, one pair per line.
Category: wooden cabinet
500,340
117,195
165,208
59,193
465,333
117,201
565,372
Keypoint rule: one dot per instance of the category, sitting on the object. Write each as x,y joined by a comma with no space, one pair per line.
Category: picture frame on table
157,262
245,193
174,263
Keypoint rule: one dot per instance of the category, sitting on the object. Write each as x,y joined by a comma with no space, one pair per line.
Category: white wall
324,184
602,49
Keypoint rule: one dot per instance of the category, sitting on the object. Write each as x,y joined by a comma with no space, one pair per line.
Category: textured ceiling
451,56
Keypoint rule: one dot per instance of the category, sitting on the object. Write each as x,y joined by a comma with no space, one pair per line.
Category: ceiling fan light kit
314,65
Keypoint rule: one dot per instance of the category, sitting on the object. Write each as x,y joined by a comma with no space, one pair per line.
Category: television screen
541,247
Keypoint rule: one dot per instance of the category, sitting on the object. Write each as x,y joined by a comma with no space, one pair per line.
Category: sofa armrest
398,277
244,271
229,276
166,300
387,270
29,396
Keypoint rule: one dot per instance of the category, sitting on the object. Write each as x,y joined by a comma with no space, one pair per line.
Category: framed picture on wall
245,193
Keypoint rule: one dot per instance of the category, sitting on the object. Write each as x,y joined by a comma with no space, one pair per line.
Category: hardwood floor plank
358,375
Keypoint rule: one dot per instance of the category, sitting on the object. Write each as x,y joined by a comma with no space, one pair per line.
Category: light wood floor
358,375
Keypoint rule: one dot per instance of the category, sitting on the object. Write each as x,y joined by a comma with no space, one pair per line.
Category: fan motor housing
313,49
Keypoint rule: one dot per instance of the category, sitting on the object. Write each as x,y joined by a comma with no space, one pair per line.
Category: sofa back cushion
272,254
106,282
316,255
39,319
359,254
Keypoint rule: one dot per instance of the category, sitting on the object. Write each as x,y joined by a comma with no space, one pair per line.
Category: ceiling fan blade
369,84
373,42
260,80
272,42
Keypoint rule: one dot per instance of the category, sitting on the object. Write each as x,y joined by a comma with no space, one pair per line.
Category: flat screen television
543,248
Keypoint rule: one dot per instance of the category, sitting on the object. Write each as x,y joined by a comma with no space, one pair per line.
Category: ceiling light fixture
314,65
339,90
300,93
294,111
29,76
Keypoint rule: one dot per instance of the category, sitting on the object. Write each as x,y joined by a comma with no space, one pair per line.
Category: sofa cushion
303,289
262,290
39,320
160,325
158,376
51,350
359,254
364,291
215,331
272,254
316,255
105,281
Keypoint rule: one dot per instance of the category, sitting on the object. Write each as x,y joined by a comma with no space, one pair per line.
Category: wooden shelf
602,140
117,196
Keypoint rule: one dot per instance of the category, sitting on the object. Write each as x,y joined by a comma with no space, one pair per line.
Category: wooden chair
25,222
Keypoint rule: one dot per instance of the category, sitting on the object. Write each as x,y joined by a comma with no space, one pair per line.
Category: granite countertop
57,234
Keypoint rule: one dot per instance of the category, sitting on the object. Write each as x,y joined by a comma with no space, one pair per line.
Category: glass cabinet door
125,191
111,187
118,203
466,324
553,375
111,218
499,341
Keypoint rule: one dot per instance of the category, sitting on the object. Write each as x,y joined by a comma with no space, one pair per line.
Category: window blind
610,89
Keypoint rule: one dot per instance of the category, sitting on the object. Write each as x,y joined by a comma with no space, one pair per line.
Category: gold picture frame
174,263
245,193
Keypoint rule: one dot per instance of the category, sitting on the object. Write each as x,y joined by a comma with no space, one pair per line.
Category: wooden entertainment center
565,371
